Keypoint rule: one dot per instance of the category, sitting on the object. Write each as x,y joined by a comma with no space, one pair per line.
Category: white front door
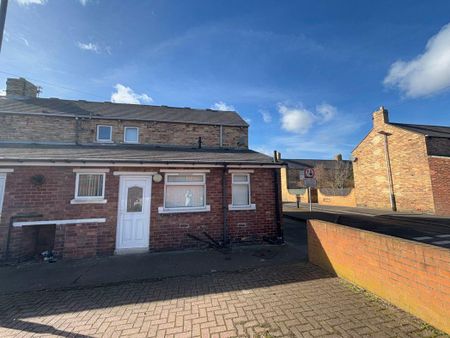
133,220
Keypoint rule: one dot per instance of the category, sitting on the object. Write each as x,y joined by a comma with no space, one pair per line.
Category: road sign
309,173
310,182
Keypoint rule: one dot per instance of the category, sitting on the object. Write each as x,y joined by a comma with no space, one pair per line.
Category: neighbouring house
98,178
404,167
334,181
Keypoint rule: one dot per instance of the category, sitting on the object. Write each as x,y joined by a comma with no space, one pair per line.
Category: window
2,190
185,192
104,133
240,192
89,188
131,135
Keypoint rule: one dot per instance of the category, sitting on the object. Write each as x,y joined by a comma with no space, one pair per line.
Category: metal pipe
389,171
225,206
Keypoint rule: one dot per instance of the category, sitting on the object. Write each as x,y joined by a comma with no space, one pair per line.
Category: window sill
243,207
162,210
88,201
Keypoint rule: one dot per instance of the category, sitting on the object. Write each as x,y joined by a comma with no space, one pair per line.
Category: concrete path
118,269
423,228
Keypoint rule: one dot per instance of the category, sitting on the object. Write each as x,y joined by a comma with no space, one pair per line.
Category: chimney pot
338,157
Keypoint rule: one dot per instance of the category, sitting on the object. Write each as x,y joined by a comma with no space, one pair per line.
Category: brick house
90,178
404,167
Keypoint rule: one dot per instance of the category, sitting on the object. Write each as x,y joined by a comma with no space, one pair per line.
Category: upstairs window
104,133
131,135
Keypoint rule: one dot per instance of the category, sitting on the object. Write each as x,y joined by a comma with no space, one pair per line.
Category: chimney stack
338,157
380,117
21,88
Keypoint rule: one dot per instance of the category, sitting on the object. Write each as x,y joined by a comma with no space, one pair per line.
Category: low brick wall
411,275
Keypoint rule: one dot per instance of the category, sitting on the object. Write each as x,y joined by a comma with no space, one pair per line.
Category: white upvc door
133,221
2,191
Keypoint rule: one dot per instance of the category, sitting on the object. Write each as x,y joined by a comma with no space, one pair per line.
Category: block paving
295,300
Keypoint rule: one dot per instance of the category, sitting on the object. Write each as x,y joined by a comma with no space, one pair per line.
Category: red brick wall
440,181
167,231
411,275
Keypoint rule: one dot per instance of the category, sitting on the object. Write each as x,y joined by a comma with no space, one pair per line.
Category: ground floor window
2,190
89,187
185,192
240,192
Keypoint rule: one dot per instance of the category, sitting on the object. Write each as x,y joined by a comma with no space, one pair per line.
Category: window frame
98,133
203,208
2,191
89,199
125,135
249,206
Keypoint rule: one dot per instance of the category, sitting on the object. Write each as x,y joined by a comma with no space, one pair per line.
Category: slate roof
108,110
128,154
310,163
433,131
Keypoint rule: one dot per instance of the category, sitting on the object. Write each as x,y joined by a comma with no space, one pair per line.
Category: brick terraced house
89,178
405,167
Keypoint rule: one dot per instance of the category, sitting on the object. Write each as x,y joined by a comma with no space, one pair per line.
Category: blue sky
305,74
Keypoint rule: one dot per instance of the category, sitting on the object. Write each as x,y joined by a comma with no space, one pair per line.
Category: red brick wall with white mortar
167,231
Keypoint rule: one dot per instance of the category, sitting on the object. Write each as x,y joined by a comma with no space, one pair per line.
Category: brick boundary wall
411,275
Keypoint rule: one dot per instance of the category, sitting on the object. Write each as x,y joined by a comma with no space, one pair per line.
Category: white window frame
89,199
2,192
98,134
249,206
125,135
167,210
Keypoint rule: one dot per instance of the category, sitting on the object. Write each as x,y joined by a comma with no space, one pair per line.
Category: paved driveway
288,300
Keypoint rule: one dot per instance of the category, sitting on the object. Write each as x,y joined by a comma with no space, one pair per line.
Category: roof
310,163
108,110
433,131
129,154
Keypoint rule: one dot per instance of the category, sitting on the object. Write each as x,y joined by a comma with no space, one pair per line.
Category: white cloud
2,92
326,112
31,2
300,120
93,47
295,120
267,118
25,41
428,73
84,2
124,94
222,106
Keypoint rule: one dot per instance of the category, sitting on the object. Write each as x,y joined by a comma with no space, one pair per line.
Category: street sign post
310,182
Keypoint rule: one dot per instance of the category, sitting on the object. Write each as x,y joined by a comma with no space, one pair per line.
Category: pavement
424,228
35,276
264,291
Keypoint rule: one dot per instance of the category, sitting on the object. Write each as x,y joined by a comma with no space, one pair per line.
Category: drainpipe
389,170
278,212
221,136
225,206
